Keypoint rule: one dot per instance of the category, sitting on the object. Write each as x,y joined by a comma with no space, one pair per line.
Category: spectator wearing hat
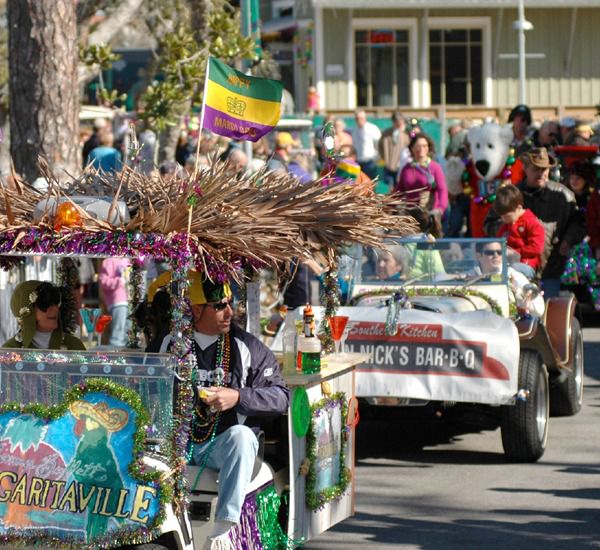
284,143
520,117
555,207
567,126
580,136
365,138
393,141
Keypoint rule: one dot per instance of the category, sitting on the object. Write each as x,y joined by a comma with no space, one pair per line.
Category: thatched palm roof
263,216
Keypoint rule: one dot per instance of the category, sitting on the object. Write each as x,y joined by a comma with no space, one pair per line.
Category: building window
382,67
456,66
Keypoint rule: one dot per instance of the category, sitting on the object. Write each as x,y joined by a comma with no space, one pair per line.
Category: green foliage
109,97
101,57
183,63
98,56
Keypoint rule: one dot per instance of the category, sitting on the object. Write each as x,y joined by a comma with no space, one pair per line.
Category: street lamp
522,25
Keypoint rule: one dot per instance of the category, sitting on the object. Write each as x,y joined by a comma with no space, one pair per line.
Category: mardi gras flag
239,106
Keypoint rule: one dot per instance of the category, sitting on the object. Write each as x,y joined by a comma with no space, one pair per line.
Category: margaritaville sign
70,472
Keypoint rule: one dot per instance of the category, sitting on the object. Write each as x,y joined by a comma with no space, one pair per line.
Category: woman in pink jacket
113,282
422,180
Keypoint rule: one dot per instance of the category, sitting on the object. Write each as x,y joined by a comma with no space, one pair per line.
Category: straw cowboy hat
539,158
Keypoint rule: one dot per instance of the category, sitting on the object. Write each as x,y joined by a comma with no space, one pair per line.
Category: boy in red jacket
523,231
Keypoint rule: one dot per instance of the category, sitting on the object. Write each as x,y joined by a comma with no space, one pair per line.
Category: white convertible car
449,321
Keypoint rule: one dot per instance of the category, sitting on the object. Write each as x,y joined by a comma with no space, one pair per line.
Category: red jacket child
523,231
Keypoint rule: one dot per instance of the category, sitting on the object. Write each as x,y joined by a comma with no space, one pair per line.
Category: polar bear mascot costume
490,166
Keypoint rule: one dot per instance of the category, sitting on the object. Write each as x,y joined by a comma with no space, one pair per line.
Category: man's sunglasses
220,306
493,252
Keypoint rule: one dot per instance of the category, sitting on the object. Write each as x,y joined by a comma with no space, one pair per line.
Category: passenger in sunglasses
237,381
36,305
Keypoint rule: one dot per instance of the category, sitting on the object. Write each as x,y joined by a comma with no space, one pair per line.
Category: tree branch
106,30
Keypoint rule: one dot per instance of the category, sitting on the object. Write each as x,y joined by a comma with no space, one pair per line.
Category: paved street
438,483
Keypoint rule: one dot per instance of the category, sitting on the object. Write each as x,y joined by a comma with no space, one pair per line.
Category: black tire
524,425
566,394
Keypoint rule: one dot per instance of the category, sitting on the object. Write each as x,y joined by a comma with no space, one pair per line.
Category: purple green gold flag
237,105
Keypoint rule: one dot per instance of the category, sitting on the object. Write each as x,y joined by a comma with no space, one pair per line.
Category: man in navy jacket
238,380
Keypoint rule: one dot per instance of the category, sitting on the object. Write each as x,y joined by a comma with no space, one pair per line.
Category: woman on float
36,305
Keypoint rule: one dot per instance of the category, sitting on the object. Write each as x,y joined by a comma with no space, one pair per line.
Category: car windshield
420,261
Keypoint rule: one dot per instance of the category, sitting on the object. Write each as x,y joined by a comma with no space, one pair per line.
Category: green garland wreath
124,536
456,292
317,499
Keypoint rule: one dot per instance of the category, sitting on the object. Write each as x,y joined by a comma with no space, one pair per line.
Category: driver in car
526,294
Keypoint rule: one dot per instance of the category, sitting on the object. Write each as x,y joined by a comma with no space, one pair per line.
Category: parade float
64,412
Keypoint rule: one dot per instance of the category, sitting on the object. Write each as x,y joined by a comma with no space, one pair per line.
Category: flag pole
206,75
192,199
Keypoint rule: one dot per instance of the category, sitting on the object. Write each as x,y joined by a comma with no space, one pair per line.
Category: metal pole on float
250,27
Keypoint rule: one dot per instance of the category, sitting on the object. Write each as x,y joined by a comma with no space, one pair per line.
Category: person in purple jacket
422,180
237,380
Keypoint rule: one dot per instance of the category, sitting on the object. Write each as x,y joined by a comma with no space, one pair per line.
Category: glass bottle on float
309,346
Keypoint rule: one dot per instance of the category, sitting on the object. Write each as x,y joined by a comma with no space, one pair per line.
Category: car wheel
566,394
524,425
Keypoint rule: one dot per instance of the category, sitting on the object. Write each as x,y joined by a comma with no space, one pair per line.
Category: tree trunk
44,99
170,136
5,142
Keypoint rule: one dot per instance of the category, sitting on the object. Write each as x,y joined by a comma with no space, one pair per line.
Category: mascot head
490,146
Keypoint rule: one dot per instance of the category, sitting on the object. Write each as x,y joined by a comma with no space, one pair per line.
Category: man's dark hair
480,245
522,110
508,198
397,115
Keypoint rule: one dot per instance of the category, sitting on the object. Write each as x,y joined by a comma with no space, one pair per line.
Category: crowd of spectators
402,159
